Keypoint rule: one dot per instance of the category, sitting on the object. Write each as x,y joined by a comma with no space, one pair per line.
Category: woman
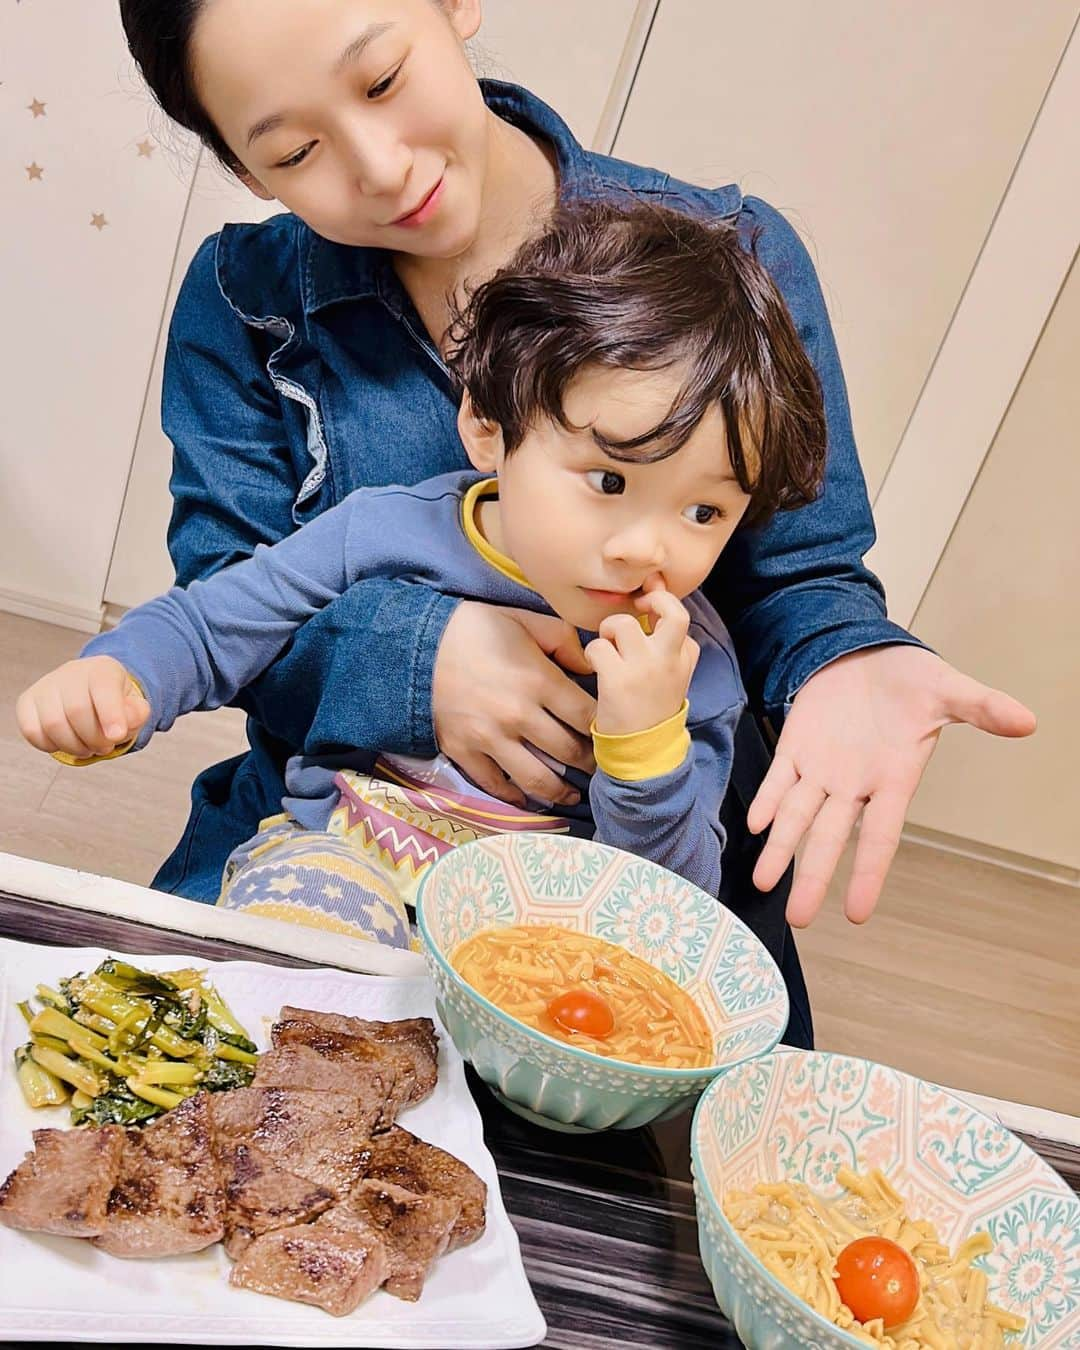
304,361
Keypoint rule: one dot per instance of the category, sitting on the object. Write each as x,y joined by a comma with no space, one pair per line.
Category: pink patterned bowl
794,1116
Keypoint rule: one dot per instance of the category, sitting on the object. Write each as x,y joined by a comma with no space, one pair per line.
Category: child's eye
298,158
606,481
703,515
377,90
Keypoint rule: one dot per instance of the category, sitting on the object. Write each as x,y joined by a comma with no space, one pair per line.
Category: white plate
54,1288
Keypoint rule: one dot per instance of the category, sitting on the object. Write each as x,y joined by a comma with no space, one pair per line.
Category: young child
632,386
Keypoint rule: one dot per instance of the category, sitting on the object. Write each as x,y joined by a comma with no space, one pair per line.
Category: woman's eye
377,90
298,158
606,481
703,515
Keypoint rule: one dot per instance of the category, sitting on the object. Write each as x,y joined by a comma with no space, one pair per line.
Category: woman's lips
421,214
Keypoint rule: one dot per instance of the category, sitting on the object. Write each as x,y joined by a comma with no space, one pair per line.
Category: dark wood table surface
606,1222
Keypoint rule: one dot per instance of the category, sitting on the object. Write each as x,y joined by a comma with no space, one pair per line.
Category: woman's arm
797,594
360,669
860,701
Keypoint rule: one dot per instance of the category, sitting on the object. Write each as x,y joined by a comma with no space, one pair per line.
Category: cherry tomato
875,1277
582,1010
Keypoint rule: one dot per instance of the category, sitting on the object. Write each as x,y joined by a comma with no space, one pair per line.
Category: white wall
886,131
81,305
1004,602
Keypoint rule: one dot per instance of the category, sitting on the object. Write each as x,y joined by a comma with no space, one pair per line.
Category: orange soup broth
522,968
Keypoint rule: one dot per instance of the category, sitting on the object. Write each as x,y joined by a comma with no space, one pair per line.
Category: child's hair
631,285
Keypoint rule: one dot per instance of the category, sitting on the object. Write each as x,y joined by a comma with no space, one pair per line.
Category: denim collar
337,272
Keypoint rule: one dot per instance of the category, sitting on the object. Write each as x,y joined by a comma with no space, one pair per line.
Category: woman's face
361,116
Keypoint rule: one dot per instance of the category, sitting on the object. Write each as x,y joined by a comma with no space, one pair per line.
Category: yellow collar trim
470,507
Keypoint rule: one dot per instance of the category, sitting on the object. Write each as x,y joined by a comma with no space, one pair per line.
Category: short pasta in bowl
804,1163
576,899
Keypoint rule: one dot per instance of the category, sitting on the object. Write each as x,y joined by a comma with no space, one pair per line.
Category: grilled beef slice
412,1036
261,1196
167,1197
63,1186
418,1029
320,1136
415,1229
332,1269
409,1162
372,1081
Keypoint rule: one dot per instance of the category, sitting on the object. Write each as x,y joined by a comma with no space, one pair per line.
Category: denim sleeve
358,673
796,594
674,819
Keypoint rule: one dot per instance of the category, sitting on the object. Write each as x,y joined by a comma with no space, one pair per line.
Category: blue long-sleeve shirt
197,647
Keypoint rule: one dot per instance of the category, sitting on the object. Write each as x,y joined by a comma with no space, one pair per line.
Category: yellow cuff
62,756
644,754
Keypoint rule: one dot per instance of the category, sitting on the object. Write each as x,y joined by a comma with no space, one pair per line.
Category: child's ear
483,441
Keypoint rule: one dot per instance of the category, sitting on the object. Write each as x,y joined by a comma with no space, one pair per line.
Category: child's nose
640,547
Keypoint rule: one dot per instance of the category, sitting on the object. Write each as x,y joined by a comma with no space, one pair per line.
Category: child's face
352,113
588,530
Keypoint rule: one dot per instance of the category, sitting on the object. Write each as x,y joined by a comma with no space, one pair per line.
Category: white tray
64,1289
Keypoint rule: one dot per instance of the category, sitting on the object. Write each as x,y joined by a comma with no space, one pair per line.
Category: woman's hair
630,285
159,38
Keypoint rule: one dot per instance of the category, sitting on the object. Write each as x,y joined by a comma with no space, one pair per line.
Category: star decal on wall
34,172
36,108
98,221
145,148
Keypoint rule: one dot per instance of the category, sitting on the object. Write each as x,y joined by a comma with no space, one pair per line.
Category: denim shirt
298,370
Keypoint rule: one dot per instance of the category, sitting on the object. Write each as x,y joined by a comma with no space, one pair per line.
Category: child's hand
642,679
84,708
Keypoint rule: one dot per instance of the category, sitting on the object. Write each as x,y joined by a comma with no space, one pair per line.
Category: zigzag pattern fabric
358,876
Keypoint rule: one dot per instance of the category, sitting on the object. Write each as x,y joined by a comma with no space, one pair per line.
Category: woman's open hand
858,737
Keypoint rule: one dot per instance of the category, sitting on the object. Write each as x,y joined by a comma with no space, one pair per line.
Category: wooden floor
969,974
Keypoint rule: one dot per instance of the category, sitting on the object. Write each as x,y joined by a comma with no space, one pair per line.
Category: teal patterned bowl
794,1116
590,888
